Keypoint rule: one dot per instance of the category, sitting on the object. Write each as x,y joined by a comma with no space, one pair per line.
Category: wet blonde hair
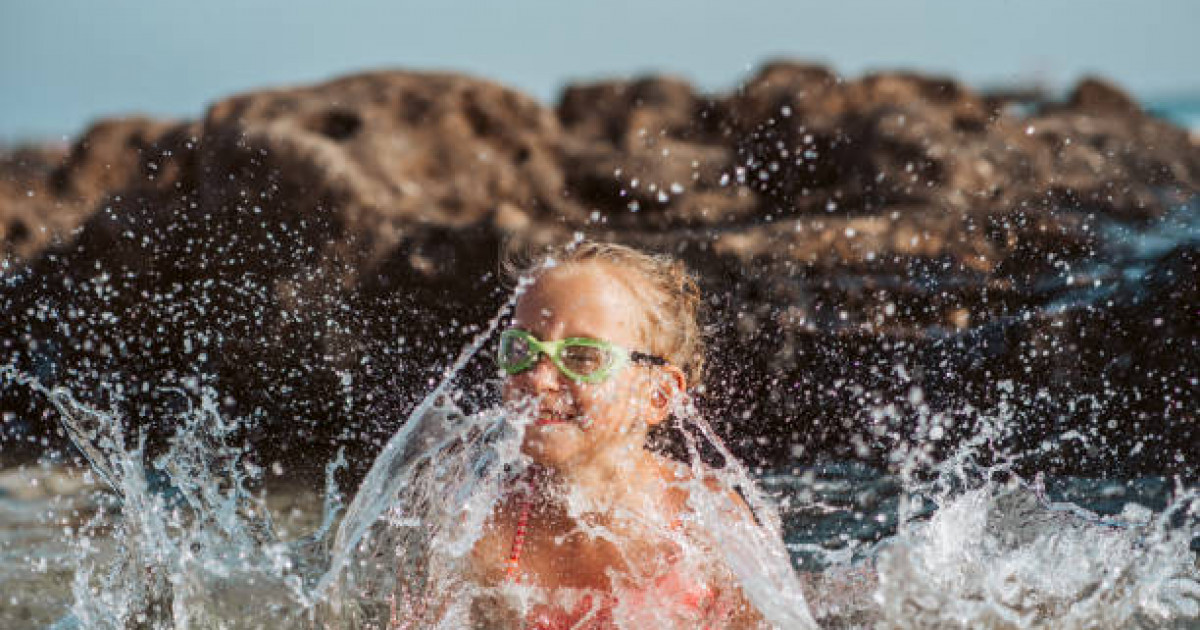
664,285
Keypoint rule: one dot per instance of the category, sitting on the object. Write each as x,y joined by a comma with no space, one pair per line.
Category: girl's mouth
548,418
548,415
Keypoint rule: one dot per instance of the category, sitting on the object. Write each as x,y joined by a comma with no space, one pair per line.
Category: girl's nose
543,376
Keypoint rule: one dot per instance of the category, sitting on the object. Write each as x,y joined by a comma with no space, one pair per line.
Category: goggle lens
516,353
586,360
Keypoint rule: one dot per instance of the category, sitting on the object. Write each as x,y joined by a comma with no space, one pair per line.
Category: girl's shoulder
684,480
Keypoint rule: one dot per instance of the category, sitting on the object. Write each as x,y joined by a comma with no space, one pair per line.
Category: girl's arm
743,615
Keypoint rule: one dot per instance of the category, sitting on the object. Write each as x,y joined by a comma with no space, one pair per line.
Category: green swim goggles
581,359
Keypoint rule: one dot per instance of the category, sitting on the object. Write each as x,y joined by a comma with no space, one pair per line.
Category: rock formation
883,255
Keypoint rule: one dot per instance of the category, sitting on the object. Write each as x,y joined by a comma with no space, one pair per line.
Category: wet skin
586,437
582,426
588,441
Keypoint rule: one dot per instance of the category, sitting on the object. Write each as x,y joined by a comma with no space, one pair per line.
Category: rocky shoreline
316,254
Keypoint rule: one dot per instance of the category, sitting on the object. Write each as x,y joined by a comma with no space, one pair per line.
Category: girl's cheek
594,401
620,404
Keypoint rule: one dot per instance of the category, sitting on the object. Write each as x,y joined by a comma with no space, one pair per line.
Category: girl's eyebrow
573,333
570,333
586,335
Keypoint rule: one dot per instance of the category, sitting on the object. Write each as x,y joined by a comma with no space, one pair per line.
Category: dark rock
1095,95
316,255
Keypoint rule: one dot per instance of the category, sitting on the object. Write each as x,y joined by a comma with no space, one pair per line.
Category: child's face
575,422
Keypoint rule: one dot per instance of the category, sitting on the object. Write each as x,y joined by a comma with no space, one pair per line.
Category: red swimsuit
672,595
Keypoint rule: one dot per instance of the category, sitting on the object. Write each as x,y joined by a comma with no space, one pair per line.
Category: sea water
188,538
197,536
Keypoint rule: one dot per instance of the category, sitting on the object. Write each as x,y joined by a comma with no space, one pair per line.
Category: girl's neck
621,479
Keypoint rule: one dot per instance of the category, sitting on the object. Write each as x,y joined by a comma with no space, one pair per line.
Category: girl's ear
668,384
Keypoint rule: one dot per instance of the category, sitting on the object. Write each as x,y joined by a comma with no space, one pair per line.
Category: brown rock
296,240
1095,95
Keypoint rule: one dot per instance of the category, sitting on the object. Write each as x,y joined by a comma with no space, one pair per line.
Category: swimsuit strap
512,570
513,565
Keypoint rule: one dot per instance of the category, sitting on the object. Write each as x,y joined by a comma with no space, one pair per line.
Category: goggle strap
553,349
642,357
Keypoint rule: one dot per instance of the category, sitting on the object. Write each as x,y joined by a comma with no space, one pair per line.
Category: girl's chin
549,445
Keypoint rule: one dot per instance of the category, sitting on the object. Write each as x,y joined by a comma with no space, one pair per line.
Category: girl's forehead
582,300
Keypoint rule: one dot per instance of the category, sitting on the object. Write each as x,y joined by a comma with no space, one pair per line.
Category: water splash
997,557
194,544
949,542
404,543
970,544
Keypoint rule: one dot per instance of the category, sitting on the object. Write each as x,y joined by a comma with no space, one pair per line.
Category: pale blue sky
64,63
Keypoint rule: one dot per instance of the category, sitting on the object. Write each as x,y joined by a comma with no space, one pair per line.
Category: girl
601,531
